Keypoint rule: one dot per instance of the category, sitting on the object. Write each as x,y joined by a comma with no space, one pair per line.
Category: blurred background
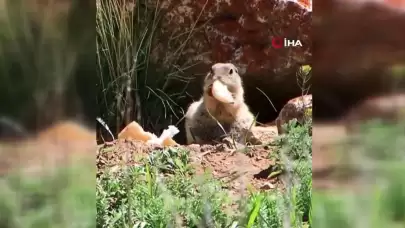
47,68
50,60
358,52
47,113
359,103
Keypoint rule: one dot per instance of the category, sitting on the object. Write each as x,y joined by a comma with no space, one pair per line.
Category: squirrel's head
227,74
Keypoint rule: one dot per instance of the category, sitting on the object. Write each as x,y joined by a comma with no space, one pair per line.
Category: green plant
140,195
60,198
378,194
293,157
40,61
165,191
162,192
297,144
171,159
136,77
303,78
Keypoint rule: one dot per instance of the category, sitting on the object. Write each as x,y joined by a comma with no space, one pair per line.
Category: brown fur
204,118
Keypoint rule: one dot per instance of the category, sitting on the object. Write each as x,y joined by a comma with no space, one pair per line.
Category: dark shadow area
48,70
264,174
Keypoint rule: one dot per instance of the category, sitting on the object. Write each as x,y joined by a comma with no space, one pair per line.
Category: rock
388,109
194,147
241,32
299,108
265,134
352,61
340,21
267,186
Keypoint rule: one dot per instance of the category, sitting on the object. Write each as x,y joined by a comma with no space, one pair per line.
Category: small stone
267,186
195,147
299,108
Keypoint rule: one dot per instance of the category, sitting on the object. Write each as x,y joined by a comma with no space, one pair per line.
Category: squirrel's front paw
232,143
254,140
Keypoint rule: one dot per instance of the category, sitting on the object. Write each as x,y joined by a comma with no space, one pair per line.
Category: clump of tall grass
377,195
54,198
38,69
135,73
39,59
163,193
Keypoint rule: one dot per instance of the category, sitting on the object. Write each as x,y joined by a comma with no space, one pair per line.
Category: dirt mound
33,156
328,164
63,143
67,131
237,169
122,152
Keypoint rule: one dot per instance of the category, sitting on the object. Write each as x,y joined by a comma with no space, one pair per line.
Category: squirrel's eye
231,71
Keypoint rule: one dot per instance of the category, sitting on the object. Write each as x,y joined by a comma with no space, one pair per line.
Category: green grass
135,84
380,204
45,60
61,198
141,66
377,154
164,192
35,60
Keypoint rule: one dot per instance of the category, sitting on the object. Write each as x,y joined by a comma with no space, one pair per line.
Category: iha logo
279,42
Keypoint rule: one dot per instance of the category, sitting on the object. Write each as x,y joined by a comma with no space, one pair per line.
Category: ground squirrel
209,120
